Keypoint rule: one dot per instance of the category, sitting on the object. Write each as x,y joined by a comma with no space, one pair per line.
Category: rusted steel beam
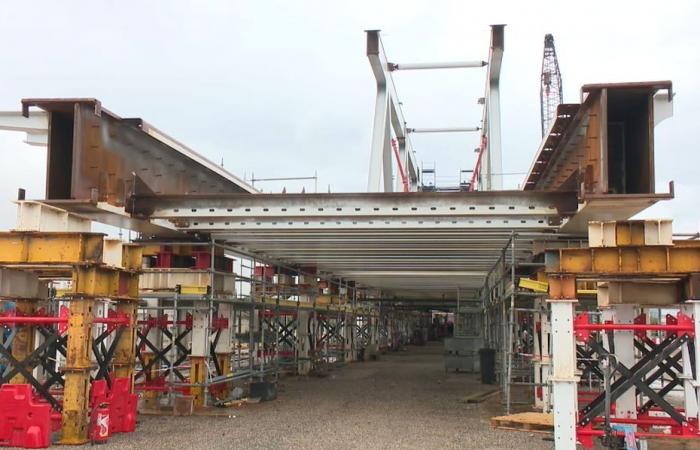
93,154
584,149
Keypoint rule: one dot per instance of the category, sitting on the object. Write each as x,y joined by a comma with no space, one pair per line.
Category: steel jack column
564,379
198,358
23,342
303,342
125,353
224,347
542,362
77,371
691,373
348,327
626,404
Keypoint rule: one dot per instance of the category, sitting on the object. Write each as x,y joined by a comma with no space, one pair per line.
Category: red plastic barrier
122,407
23,422
120,402
99,412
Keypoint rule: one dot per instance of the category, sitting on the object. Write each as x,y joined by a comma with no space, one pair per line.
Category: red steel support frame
681,324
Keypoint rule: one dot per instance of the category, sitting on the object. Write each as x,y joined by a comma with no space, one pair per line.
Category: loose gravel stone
405,400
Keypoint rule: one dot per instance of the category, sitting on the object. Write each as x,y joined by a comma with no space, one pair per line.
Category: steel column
564,379
77,371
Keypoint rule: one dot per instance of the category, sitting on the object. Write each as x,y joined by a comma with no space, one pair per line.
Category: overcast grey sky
284,88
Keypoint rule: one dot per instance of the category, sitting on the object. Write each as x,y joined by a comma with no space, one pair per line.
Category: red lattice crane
550,84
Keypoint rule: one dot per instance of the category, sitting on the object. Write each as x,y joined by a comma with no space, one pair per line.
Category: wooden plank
543,432
528,421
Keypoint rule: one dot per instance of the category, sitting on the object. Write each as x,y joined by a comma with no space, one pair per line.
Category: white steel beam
36,126
444,130
626,404
492,167
564,379
691,381
387,117
438,65
380,139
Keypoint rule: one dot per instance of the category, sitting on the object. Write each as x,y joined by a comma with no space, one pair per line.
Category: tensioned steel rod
284,178
438,65
444,130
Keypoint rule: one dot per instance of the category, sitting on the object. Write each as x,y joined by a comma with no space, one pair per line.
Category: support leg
23,342
564,380
77,371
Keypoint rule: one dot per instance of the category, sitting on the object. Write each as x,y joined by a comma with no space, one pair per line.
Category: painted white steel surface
564,379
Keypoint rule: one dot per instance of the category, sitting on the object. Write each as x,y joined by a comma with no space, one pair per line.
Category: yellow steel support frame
23,342
625,261
20,247
90,282
124,359
103,281
198,374
81,255
77,371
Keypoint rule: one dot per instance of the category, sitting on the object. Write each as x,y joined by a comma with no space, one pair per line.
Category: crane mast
550,84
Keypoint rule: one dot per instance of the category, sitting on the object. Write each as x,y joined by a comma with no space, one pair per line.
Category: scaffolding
257,320
516,319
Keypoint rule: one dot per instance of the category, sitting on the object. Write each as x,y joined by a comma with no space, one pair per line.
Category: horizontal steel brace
356,205
102,281
632,261
25,247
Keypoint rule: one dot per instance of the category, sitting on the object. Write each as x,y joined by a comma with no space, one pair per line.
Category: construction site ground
403,400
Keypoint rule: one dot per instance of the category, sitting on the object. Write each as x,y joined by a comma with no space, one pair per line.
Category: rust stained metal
656,262
568,118
95,155
652,86
574,154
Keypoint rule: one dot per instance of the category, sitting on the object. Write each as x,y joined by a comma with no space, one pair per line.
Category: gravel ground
404,400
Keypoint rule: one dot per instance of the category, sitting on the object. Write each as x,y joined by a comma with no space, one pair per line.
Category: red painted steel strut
162,321
633,327
638,434
477,167
39,320
404,181
679,324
